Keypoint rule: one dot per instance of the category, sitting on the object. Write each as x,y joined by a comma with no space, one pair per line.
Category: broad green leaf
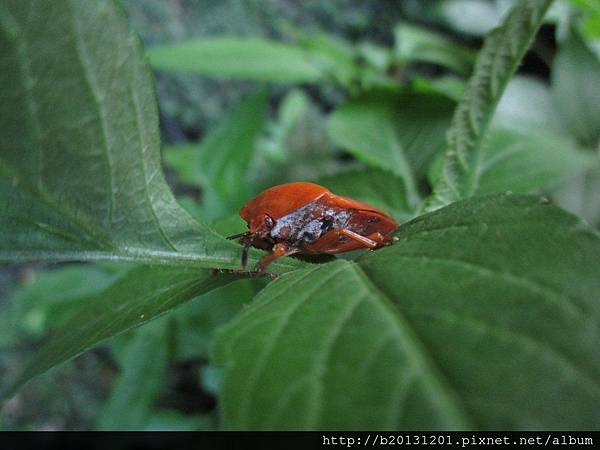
496,63
395,133
141,379
142,295
377,187
416,44
484,315
245,58
576,90
80,175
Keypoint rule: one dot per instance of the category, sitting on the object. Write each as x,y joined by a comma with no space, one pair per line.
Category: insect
305,218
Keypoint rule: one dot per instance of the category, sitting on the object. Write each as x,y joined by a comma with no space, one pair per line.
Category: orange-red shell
282,199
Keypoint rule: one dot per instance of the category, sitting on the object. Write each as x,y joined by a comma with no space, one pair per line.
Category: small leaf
241,58
580,196
182,159
546,158
416,44
195,322
142,295
376,187
224,157
472,16
496,63
576,90
130,403
55,295
527,103
395,133
484,315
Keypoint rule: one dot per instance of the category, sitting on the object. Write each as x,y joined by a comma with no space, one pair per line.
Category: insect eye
269,222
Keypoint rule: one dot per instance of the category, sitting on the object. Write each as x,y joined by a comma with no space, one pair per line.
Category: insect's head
259,227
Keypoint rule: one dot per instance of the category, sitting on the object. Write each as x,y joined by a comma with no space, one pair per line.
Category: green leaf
54,296
496,63
142,295
245,58
335,58
130,403
547,160
576,90
80,175
182,159
416,44
395,133
449,86
376,187
580,196
196,321
472,16
527,103
484,315
224,157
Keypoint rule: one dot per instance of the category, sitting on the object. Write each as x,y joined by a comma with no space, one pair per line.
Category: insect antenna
236,236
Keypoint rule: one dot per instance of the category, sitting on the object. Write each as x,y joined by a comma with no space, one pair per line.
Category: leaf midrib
439,382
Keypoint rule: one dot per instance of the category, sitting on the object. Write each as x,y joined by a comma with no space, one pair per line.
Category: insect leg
374,240
278,251
247,243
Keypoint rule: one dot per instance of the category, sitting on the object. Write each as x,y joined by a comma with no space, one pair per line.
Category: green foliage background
477,131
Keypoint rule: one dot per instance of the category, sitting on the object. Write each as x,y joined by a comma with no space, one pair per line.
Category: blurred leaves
393,336
142,295
547,160
395,133
379,188
527,104
496,63
243,58
416,44
576,90
130,403
224,157
196,321
52,297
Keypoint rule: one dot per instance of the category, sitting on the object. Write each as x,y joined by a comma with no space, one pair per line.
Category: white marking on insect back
302,225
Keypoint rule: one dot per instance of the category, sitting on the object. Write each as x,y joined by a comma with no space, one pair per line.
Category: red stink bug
305,218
